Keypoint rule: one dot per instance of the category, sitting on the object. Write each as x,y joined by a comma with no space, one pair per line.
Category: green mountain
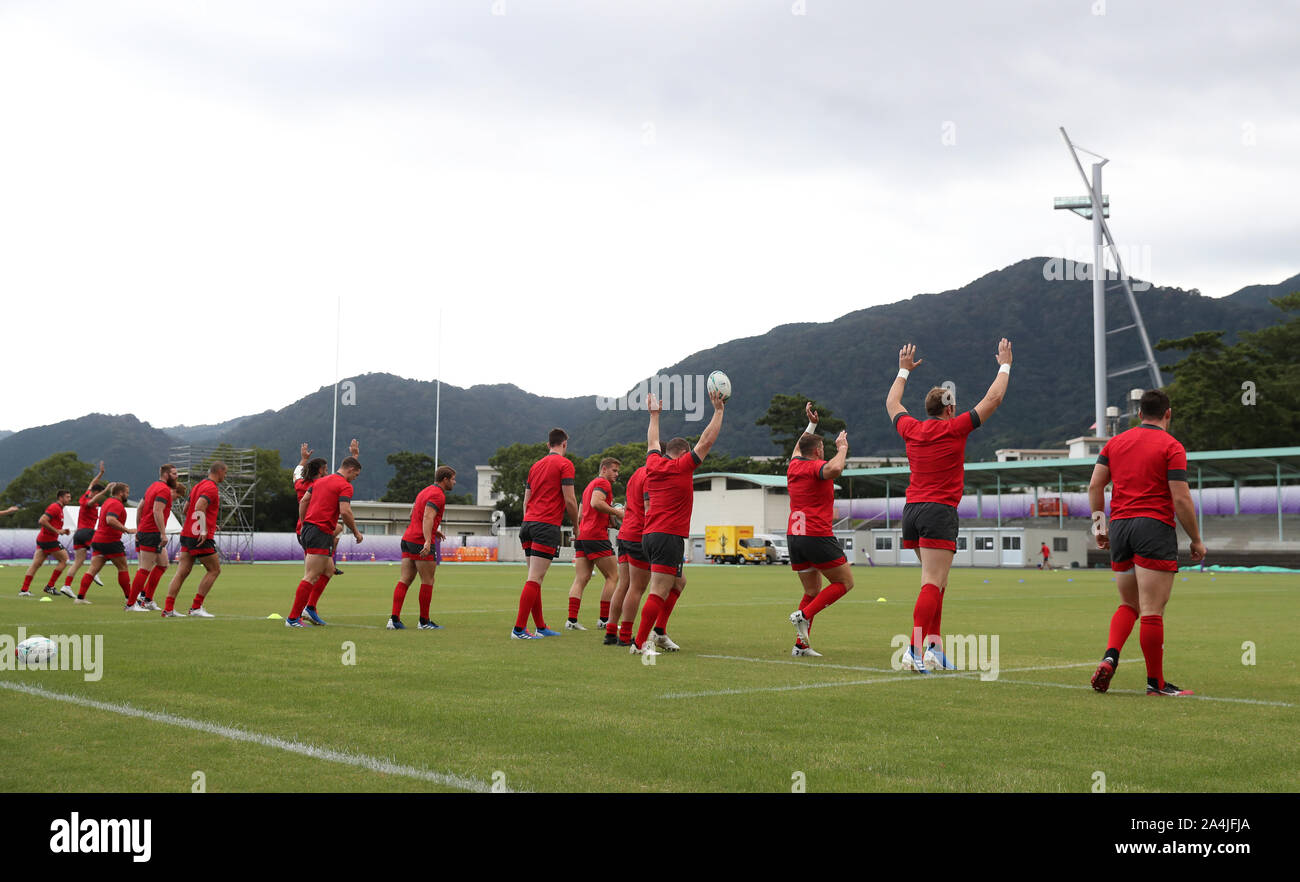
131,450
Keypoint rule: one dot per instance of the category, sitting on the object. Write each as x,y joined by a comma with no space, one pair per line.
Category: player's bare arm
160,516
354,449
302,504
993,398
1097,502
710,433
599,504
99,497
907,361
835,465
571,504
113,522
426,528
95,480
652,433
1185,509
345,514
8,511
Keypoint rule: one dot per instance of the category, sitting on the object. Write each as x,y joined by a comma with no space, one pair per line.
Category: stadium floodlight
1096,208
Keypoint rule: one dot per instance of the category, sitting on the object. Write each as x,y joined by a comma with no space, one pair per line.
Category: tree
1238,396
39,483
785,419
275,504
412,473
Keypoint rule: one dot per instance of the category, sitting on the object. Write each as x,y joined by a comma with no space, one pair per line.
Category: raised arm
993,398
835,465
304,456
652,433
95,480
710,434
906,363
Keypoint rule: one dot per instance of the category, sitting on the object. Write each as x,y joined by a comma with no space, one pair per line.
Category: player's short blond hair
936,400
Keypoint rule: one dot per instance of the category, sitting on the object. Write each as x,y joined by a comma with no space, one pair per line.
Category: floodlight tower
1096,208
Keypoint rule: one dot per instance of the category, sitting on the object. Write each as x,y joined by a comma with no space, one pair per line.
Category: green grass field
731,712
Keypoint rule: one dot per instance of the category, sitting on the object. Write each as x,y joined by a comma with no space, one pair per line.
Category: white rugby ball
718,382
37,651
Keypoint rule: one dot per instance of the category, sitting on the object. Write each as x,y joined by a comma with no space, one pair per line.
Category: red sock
604,610
625,631
27,582
803,605
155,576
67,583
55,577
611,626
654,605
124,582
426,597
1152,636
317,589
926,603
137,584
170,604
936,621
574,604
300,599
669,602
1121,626
198,602
538,619
824,598
85,584
399,597
528,598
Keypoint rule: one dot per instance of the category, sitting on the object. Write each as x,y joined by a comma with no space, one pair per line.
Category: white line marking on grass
1143,693
359,760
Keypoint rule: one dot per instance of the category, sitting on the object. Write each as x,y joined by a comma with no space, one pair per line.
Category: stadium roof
761,480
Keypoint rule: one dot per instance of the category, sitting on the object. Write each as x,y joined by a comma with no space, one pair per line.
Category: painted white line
813,664
896,678
359,760
1143,693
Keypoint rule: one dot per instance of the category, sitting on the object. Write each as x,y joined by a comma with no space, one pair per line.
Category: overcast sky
188,184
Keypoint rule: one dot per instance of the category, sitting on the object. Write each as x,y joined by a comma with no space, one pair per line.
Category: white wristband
812,429
902,373
1004,369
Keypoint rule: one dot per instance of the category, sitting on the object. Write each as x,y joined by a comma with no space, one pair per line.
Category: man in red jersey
202,509
1047,556
151,539
47,541
307,471
548,496
936,454
592,549
106,543
633,568
87,518
418,555
328,500
1148,468
814,550
669,479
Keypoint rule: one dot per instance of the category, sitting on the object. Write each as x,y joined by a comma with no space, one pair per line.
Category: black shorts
108,549
632,553
81,538
314,540
192,546
928,525
592,548
1146,542
665,552
540,540
822,552
414,551
148,541
49,546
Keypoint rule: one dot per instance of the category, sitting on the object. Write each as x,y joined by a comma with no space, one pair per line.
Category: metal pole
437,409
1279,501
1060,502
1200,504
887,509
1098,306
334,435
999,477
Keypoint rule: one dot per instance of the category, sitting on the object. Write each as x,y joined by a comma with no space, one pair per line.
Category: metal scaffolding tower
234,535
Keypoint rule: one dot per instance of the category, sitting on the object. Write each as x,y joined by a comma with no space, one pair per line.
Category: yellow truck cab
723,544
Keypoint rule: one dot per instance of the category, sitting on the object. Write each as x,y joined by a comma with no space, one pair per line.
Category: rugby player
1148,470
48,544
87,518
592,549
548,496
106,543
418,556
671,487
326,501
202,509
936,454
309,470
151,539
633,568
814,551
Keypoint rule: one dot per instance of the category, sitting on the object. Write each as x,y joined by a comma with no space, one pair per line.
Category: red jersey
144,520
54,512
595,524
634,508
430,497
545,496
300,487
671,486
812,498
936,452
202,525
1142,462
326,495
88,513
104,531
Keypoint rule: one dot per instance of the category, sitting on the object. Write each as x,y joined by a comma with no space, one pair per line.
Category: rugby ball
37,651
718,382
